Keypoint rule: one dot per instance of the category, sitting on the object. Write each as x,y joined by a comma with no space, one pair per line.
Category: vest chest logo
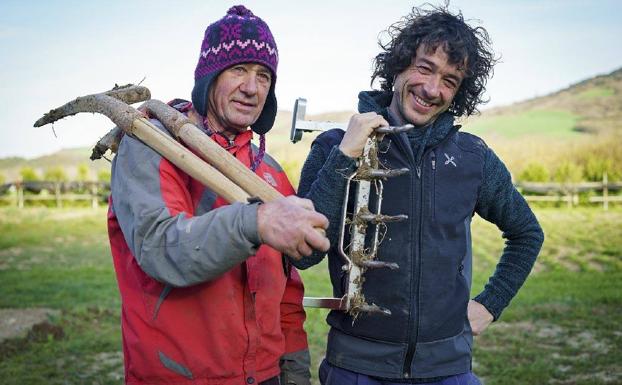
269,178
450,160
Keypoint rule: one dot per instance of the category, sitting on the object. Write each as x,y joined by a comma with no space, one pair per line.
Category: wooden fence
568,193
19,193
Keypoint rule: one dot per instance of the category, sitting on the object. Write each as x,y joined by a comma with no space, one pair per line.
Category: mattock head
300,110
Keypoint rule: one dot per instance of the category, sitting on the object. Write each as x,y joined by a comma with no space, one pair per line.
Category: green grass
562,328
541,122
596,93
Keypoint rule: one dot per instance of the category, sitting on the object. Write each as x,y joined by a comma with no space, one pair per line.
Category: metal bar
324,302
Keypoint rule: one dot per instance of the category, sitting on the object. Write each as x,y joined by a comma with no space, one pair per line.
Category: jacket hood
374,100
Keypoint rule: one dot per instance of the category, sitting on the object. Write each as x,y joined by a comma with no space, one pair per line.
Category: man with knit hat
207,294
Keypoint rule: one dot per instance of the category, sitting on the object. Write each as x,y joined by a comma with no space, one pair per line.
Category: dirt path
17,322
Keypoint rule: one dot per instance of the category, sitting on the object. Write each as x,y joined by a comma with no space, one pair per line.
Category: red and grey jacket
202,301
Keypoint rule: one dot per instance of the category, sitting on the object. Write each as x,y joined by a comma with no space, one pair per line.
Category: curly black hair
433,28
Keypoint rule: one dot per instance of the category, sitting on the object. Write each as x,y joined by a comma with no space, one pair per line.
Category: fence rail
18,193
569,192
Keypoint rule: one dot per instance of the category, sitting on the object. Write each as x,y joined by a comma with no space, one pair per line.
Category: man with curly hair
433,70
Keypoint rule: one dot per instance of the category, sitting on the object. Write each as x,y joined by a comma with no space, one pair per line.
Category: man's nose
432,87
249,84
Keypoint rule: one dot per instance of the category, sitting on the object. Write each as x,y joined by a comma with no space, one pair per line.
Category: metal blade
324,302
394,129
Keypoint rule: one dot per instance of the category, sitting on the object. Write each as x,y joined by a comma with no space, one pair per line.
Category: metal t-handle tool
360,257
300,125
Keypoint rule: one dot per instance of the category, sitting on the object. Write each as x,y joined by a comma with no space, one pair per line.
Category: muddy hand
290,225
359,129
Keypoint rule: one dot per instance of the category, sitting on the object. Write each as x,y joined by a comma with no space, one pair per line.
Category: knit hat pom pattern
240,10
239,37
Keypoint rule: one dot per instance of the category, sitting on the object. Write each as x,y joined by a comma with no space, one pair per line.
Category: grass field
551,124
564,327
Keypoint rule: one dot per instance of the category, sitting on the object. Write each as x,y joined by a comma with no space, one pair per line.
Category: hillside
68,159
574,133
591,106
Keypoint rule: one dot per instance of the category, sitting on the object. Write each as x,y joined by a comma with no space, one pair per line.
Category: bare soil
16,323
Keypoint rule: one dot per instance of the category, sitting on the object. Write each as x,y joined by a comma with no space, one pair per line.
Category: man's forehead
441,50
253,65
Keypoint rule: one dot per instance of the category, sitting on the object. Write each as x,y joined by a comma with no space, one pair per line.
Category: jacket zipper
413,322
412,342
411,346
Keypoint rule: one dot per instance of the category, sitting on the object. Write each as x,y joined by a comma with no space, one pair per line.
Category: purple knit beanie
239,37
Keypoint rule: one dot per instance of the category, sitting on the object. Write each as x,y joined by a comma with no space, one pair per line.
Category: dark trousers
332,375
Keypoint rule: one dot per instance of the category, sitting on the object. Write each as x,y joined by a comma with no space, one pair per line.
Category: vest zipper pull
418,171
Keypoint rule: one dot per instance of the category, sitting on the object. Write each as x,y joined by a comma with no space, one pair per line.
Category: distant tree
83,172
568,172
103,176
29,174
596,166
534,172
55,174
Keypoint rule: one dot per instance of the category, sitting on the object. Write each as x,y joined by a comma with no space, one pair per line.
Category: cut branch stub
94,103
110,141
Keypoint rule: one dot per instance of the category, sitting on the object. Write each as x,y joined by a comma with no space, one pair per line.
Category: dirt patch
18,322
603,377
110,363
567,348
586,339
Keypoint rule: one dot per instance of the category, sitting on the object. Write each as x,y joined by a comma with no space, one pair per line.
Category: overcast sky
53,51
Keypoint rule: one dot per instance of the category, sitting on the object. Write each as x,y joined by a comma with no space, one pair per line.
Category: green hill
592,106
577,130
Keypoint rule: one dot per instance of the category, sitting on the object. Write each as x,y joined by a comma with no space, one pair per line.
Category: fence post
19,195
569,195
94,200
59,203
605,192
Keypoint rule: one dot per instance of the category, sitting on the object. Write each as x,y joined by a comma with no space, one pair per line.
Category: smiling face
427,87
237,97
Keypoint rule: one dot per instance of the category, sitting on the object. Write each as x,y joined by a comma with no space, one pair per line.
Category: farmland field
550,123
565,326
